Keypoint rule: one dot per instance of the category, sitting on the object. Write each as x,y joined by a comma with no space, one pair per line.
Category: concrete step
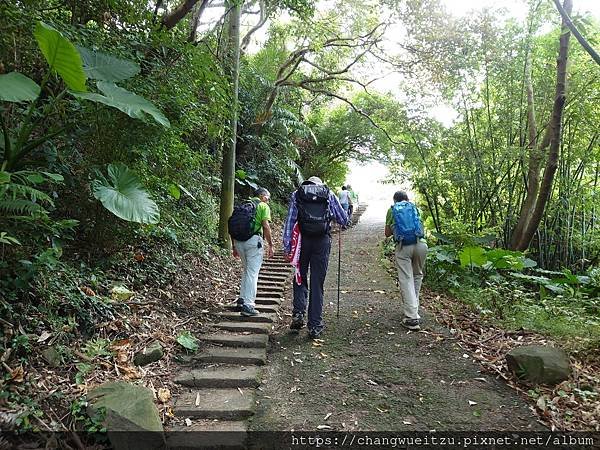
275,272
220,377
237,340
269,286
230,404
270,301
276,265
252,327
273,278
232,355
236,316
265,308
264,293
205,434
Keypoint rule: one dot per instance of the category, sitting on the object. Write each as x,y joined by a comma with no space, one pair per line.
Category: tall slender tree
232,58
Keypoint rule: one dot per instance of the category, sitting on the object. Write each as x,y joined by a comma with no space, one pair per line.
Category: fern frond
20,207
15,190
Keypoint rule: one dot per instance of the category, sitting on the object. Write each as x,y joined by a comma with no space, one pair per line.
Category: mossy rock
539,364
150,354
132,420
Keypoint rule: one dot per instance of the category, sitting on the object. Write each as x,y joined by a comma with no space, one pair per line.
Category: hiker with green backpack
404,223
246,225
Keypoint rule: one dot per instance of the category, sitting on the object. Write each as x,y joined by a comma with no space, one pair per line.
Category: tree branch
264,15
569,23
173,18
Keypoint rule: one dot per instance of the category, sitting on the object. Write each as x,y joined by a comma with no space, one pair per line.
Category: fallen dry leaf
88,291
44,336
17,375
164,395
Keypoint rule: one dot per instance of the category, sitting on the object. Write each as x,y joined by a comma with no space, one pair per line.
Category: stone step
206,434
273,278
265,308
230,404
252,327
263,293
232,355
271,286
275,271
236,316
220,377
276,265
237,340
267,301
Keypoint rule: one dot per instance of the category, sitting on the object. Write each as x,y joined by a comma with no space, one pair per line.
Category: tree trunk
555,132
232,57
535,160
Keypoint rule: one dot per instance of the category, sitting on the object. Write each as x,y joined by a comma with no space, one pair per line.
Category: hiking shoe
314,333
411,324
297,322
239,303
248,311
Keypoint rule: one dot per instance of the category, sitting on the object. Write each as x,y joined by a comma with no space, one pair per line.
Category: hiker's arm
233,249
388,231
267,232
290,221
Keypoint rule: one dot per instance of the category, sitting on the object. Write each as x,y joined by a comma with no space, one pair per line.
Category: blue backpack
407,223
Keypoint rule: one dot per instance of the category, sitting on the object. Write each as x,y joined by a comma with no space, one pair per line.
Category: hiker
403,222
345,200
307,243
353,201
246,226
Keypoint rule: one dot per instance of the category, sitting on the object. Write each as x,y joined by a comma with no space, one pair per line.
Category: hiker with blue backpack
247,224
307,244
404,223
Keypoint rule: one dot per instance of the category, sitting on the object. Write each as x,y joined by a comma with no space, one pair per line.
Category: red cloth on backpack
295,261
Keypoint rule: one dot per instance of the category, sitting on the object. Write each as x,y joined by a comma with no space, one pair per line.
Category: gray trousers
410,262
251,253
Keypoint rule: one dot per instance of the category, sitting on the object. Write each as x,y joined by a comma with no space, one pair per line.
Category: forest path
370,373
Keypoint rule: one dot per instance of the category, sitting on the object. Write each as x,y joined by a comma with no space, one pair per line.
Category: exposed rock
132,420
52,357
150,354
539,364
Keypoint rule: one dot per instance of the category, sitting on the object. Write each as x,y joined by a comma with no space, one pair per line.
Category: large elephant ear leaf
61,56
16,87
123,195
100,66
131,104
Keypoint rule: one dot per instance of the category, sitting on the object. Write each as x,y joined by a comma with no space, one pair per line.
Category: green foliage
16,87
188,341
61,56
122,194
131,104
103,67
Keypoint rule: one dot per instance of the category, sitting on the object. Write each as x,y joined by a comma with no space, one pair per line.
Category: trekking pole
339,268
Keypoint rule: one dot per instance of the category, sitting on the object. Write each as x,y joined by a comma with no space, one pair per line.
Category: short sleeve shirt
389,218
263,212
344,198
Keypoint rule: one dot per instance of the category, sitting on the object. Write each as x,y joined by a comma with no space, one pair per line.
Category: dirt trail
371,374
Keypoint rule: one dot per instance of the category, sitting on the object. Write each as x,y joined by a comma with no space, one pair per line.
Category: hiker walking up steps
308,224
246,226
403,222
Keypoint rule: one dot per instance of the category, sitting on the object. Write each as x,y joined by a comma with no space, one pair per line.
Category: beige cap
315,180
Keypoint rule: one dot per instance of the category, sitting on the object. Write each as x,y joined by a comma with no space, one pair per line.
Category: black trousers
314,257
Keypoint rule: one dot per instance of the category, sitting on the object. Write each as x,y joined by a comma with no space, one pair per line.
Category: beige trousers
410,262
